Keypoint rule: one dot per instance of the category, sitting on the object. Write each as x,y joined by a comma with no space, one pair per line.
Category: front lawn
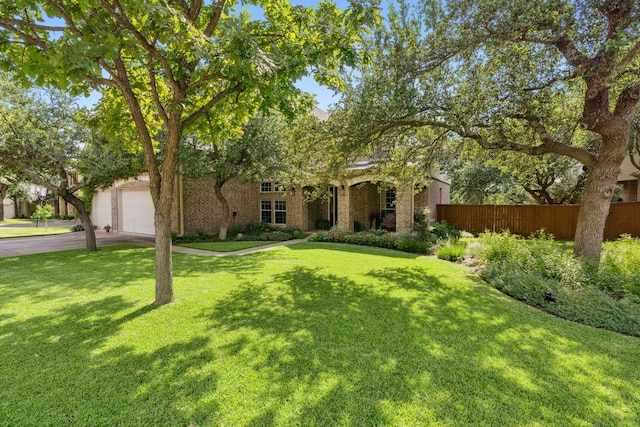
227,246
32,231
309,334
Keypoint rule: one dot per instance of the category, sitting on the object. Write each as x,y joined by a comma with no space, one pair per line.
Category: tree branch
156,96
627,101
31,25
572,54
213,22
238,88
146,45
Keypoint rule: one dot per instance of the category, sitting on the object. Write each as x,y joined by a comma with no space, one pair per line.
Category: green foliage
414,244
323,224
451,252
377,238
256,154
541,272
260,231
42,212
618,271
174,69
250,228
443,231
77,227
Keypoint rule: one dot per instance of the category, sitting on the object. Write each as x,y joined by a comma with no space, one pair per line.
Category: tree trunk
162,188
164,261
85,219
224,218
3,194
596,196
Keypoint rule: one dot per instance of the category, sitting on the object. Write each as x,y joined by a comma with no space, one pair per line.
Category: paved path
240,252
40,244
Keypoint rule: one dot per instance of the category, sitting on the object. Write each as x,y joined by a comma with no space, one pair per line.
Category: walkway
41,244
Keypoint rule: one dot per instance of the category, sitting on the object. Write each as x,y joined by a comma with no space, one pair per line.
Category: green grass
309,334
17,221
226,246
32,231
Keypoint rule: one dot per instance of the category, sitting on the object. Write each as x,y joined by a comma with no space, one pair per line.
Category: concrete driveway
40,244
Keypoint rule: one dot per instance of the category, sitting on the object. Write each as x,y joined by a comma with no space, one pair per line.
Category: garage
101,209
137,211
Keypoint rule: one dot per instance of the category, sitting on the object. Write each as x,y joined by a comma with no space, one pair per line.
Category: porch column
345,217
404,208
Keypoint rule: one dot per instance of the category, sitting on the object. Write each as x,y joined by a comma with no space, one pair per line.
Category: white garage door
137,211
101,208
7,208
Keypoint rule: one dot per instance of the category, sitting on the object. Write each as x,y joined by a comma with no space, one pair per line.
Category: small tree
256,154
43,213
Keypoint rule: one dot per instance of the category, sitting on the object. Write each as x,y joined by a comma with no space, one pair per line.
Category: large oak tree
179,65
532,77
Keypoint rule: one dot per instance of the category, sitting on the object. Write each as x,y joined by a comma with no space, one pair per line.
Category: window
281,211
273,211
265,211
390,200
266,187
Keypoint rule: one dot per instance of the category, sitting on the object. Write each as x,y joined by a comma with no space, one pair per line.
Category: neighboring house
8,208
628,179
359,201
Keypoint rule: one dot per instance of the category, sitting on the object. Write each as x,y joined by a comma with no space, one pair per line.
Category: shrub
256,228
77,227
377,238
414,245
444,231
278,236
619,267
299,234
323,224
539,272
451,252
357,226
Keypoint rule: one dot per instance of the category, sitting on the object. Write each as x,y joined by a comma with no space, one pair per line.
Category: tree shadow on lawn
59,369
108,269
408,348
352,248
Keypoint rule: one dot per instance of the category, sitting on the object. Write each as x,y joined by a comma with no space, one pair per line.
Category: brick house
358,201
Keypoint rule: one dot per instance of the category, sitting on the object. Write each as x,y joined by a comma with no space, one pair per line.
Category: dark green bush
377,238
277,236
444,231
297,234
323,224
414,245
77,227
357,226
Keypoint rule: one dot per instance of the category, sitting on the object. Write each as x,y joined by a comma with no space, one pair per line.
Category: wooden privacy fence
559,220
